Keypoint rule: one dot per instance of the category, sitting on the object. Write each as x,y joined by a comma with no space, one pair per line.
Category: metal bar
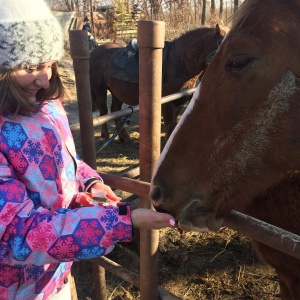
151,38
130,276
80,54
273,236
127,111
132,173
126,184
178,95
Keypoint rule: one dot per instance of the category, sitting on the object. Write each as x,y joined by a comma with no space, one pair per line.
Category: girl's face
33,78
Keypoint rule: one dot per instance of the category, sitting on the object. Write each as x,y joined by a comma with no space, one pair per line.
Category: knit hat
29,34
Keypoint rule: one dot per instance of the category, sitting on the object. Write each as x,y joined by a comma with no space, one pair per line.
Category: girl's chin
32,99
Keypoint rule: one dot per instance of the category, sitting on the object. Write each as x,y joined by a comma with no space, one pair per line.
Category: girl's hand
110,195
145,218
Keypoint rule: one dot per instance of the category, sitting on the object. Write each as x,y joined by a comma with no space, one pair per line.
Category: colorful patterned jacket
39,235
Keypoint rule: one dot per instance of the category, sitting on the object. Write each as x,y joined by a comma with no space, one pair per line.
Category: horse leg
101,100
116,105
169,117
286,267
284,291
289,286
178,109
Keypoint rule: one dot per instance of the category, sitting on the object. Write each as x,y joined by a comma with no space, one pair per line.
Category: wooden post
80,54
151,37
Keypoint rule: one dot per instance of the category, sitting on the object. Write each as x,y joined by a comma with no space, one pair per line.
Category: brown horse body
183,62
237,146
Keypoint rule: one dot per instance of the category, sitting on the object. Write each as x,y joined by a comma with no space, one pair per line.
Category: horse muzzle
192,214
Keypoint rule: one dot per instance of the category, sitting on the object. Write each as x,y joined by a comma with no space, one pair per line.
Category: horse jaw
196,217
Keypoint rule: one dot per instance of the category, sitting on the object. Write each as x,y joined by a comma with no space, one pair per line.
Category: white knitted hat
29,33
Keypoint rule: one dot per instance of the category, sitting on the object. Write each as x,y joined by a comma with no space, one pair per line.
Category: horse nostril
155,193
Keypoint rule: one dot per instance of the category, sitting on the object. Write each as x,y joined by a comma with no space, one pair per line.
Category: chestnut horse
237,146
183,61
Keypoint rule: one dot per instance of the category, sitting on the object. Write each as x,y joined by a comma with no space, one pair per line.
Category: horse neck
178,63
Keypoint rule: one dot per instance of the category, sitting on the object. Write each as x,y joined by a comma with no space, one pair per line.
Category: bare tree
236,5
213,6
221,9
155,8
66,5
203,16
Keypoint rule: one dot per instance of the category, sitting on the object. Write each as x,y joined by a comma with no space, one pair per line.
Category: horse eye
238,63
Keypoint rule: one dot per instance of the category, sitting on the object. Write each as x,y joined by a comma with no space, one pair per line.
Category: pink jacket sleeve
86,175
34,235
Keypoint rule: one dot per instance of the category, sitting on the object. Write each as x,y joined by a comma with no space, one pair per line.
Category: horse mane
188,34
183,46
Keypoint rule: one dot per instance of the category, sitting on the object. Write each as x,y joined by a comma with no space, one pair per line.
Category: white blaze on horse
237,147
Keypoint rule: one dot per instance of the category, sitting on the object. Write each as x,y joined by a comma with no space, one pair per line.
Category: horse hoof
104,137
125,140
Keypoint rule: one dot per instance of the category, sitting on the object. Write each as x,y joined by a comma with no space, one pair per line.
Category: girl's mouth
30,92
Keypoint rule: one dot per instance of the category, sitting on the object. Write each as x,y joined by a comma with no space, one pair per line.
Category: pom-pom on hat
29,34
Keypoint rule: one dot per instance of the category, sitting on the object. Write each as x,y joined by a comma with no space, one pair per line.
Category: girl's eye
31,69
238,63
40,67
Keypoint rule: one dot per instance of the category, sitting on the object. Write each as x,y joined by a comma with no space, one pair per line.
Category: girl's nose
42,78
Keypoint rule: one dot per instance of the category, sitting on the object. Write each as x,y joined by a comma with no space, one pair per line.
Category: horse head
239,136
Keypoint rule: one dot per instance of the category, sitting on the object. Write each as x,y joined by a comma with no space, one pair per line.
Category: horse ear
218,30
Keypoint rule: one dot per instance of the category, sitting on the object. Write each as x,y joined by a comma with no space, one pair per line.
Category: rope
125,121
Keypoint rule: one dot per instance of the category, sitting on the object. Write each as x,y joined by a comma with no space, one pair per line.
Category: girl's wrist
90,182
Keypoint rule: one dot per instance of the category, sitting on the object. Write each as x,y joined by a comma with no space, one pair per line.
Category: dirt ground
192,265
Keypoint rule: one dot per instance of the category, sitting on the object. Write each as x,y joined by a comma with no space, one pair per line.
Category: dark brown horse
237,146
183,61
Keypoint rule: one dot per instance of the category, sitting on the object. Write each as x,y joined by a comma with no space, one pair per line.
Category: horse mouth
194,213
198,217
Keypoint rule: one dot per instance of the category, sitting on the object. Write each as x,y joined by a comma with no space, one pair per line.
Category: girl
40,174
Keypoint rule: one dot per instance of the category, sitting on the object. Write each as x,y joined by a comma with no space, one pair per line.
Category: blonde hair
12,98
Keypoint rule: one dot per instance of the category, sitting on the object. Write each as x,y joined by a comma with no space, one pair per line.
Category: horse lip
155,203
159,203
198,216
159,207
